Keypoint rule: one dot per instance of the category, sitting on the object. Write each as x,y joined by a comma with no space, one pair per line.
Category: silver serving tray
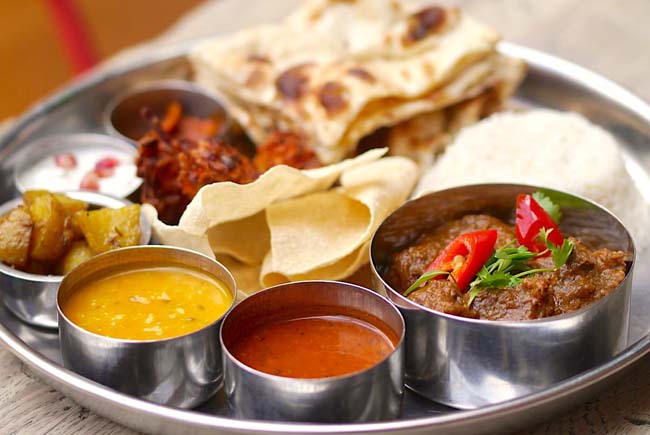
551,82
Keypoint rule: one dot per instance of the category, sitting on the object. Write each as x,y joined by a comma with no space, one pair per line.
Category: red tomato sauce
314,347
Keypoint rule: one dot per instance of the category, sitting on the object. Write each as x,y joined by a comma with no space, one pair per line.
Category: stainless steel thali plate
551,82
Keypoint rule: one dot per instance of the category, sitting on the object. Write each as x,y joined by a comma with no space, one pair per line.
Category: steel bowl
48,146
182,371
469,363
123,118
32,297
370,395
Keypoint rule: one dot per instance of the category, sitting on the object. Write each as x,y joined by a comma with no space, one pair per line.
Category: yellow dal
148,304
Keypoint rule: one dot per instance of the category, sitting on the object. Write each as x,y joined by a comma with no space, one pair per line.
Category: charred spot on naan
428,68
257,70
255,78
332,96
426,22
293,84
258,58
362,74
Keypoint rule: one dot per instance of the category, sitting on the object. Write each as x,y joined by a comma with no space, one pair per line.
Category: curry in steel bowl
479,266
500,298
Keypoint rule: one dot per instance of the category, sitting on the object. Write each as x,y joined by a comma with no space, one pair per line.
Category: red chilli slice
465,256
531,219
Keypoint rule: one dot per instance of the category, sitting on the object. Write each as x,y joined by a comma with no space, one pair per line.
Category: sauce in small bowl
321,351
315,346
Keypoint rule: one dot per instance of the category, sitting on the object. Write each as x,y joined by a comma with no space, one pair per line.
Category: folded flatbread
336,71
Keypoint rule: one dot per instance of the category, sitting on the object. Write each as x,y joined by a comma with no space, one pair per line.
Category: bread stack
352,75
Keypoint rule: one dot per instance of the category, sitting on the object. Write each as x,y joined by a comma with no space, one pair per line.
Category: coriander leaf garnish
423,279
507,266
548,205
504,269
518,254
474,291
560,254
496,279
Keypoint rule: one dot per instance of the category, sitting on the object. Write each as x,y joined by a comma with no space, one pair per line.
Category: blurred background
44,43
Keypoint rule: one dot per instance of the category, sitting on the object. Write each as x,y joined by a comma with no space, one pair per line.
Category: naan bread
336,71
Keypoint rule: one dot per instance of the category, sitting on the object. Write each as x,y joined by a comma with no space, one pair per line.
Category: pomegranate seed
90,181
105,167
107,163
65,161
104,172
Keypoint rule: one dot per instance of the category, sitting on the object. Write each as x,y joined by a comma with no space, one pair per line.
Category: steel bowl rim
132,342
325,380
529,323
160,85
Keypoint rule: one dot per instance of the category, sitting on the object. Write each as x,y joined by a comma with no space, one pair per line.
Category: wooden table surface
608,36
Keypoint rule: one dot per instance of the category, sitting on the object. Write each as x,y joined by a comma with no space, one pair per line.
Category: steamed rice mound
559,150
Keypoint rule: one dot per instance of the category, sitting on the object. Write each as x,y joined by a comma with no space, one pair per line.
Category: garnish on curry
480,267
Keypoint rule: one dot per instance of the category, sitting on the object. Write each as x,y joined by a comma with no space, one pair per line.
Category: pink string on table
72,33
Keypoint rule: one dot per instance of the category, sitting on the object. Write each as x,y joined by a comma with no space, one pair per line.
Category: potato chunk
110,228
47,240
71,205
77,254
15,233
71,230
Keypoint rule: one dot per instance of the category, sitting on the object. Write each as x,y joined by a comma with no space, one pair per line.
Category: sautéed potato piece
53,233
15,233
77,254
71,205
110,228
49,217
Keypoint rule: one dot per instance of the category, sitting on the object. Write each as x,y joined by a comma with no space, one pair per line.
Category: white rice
559,150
